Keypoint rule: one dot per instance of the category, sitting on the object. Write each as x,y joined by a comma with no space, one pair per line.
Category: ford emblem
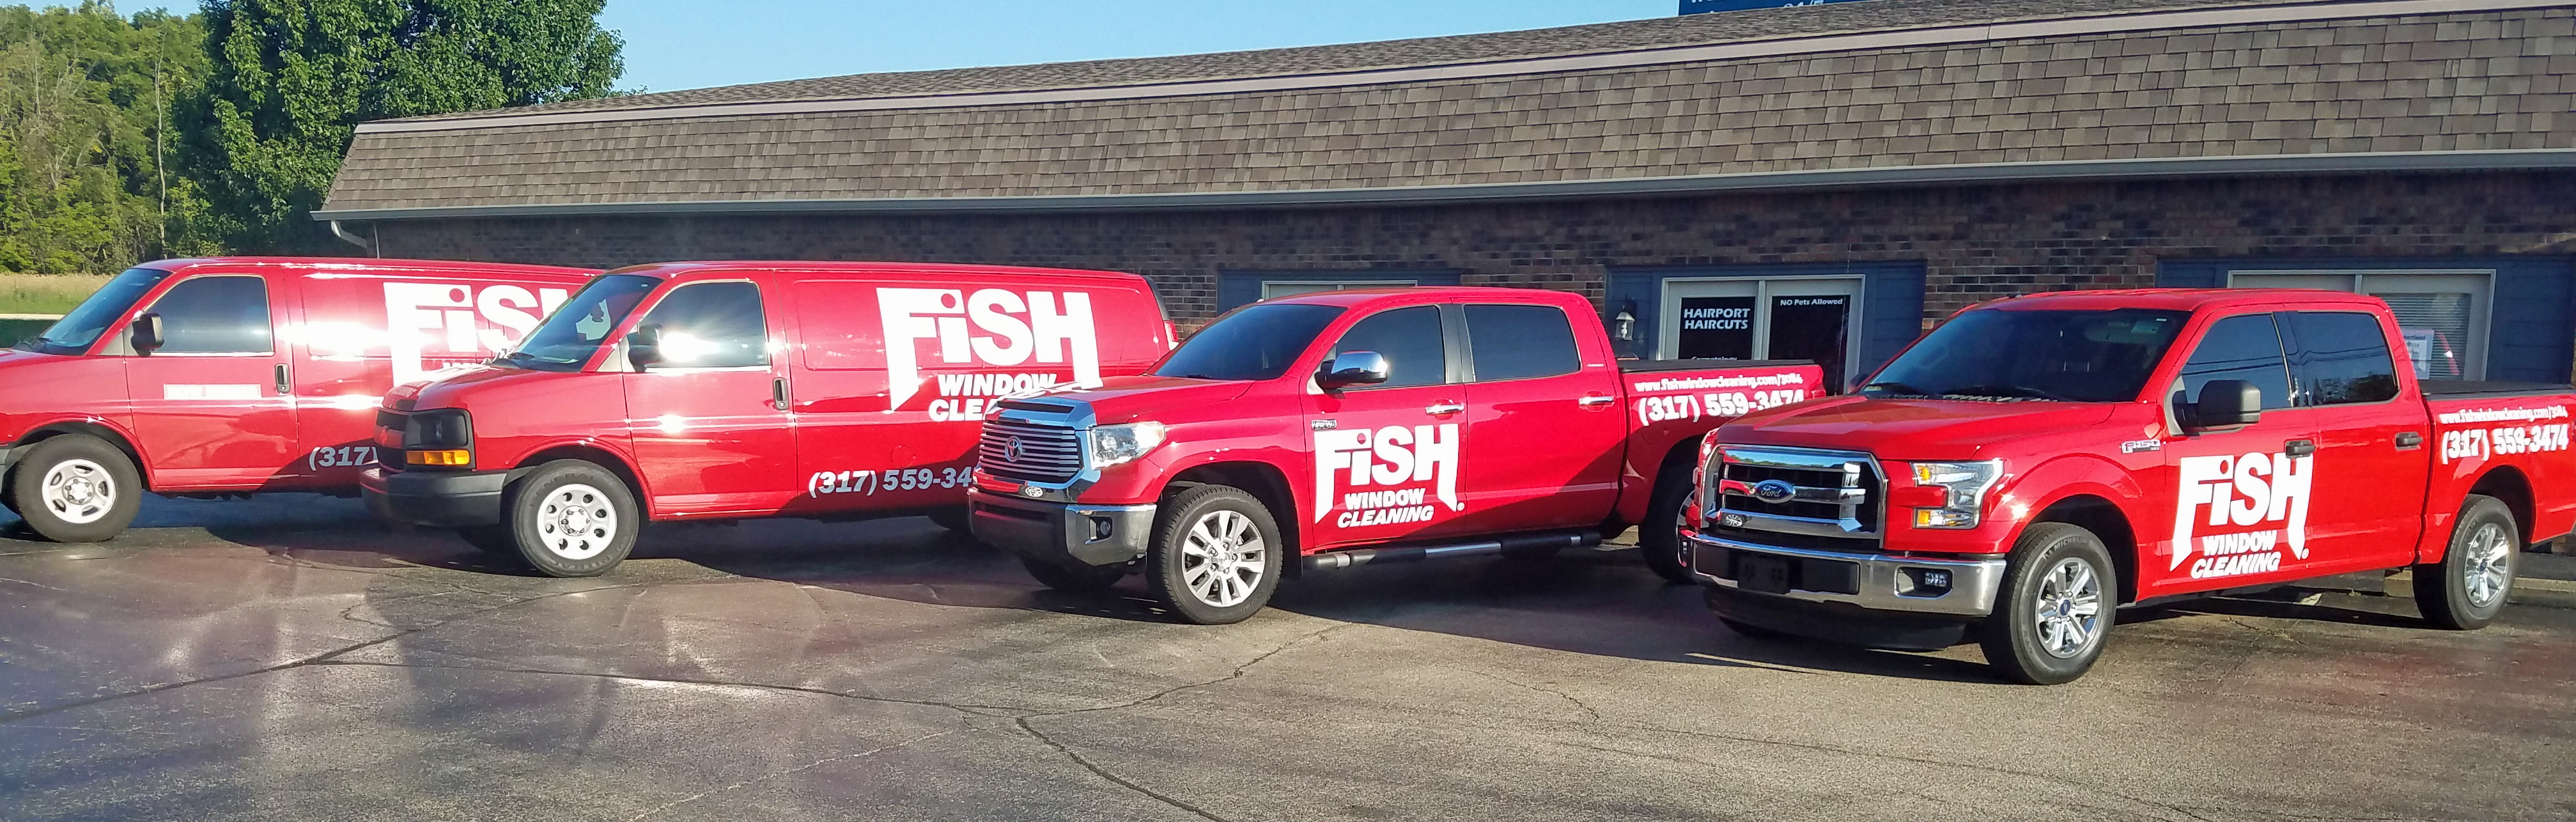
1012,451
1774,491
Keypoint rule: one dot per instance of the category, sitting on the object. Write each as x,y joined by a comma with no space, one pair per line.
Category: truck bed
2484,428
1645,366
2489,388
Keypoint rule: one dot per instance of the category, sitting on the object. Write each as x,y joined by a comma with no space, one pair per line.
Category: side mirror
146,335
1353,368
644,346
2225,403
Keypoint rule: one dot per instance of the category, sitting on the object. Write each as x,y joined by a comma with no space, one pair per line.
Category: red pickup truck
1342,428
2039,461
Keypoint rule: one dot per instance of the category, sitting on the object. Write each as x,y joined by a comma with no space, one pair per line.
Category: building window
1282,288
1238,288
2442,313
1763,318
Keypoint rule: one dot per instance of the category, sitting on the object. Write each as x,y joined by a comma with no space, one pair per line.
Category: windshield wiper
2004,391
1896,387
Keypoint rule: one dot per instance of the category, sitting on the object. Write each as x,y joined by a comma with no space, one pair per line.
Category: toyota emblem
1774,491
1012,451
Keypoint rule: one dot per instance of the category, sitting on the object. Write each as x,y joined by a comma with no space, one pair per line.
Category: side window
1410,340
712,325
2342,358
1511,342
215,315
2240,348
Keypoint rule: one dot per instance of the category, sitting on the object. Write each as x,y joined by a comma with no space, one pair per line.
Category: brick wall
1977,242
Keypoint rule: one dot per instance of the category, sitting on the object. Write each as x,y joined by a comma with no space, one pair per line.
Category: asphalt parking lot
285,658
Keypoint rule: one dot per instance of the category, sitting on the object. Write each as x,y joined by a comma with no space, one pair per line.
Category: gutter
2417,162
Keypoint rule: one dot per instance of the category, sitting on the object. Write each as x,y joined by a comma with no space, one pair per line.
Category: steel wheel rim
2068,615
78,491
2489,569
1222,558
576,522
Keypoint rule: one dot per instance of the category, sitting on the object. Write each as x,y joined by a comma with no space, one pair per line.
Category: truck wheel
572,519
1074,576
1215,557
2056,606
491,539
1660,539
2468,587
76,488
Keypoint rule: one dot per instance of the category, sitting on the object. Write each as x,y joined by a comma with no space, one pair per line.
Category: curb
2535,591
30,316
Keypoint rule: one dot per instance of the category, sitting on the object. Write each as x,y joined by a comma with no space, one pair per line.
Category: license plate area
1779,575
1763,575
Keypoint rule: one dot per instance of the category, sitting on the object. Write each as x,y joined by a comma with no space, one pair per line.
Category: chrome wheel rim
2488,571
79,492
1222,558
576,522
2069,609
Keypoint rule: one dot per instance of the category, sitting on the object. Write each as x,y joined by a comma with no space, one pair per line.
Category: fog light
1100,528
1922,582
449,458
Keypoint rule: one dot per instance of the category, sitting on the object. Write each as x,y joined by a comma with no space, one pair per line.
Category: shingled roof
1874,92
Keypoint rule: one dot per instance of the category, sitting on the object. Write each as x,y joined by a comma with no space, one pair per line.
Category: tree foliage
85,176
291,79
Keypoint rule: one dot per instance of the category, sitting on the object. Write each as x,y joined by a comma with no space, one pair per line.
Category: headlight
439,438
1965,484
1115,444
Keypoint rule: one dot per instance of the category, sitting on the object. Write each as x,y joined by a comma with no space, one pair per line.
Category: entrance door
2442,313
1743,318
207,404
708,437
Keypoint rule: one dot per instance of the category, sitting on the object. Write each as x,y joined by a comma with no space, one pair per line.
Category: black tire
1660,539
953,519
555,519
1073,576
491,539
2469,586
93,494
1169,565
2038,583
1751,631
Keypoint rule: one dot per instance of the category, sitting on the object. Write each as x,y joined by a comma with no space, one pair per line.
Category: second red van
736,390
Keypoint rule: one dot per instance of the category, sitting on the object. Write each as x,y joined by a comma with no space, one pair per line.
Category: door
2442,314
1389,458
1787,318
2371,477
210,406
1560,423
708,434
2240,511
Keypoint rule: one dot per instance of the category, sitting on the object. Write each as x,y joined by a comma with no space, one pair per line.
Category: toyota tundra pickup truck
2036,463
1343,428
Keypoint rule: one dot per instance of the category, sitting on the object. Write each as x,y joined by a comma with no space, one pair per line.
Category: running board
1367,556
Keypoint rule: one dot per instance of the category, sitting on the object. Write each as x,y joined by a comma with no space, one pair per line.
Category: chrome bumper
1881,580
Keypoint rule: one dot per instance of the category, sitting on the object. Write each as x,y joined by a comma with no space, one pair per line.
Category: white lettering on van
2238,493
432,326
1391,456
1015,328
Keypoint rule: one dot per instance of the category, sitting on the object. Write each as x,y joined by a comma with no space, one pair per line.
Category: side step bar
1545,540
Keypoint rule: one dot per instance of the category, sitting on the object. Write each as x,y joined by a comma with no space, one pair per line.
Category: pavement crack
1104,773
1002,711
36,584
787,772
1579,703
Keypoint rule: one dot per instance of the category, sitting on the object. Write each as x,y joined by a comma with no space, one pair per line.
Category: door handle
1441,409
1596,401
2409,440
778,393
284,386
2299,448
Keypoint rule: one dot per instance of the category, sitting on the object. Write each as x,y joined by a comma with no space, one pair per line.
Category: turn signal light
451,458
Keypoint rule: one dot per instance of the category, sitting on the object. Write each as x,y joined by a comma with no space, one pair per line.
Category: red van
234,375
735,390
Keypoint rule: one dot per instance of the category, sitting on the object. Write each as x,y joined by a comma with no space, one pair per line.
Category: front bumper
434,498
1874,582
1060,531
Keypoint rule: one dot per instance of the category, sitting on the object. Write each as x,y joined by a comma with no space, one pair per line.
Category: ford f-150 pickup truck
2037,462
1342,428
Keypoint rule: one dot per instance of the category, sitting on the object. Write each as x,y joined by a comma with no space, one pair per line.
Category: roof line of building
1894,38
1815,180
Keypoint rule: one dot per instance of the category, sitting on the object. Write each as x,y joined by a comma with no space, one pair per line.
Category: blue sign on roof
1702,6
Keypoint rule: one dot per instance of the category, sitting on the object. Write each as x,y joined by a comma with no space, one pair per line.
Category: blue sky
679,44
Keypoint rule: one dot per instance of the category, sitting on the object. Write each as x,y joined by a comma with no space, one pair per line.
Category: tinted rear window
2342,358
1514,342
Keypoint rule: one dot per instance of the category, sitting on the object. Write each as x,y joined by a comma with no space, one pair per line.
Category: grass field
46,293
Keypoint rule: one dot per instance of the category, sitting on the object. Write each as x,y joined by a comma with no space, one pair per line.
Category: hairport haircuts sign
1704,6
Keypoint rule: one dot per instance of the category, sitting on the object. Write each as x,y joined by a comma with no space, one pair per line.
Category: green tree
85,177
291,79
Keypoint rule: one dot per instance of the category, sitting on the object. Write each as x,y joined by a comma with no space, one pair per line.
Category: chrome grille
1833,500
1046,453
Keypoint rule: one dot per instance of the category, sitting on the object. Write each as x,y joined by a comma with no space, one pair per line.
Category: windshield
574,332
77,331
1255,343
2068,356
